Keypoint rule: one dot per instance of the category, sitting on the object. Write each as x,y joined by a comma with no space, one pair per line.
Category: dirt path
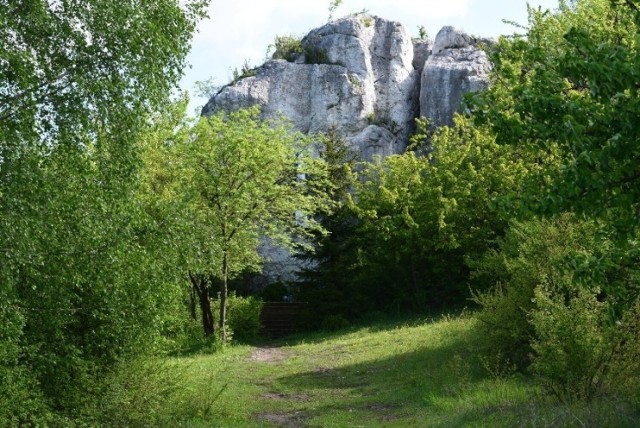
268,355
272,355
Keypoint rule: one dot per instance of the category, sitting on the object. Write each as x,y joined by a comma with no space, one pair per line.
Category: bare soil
269,355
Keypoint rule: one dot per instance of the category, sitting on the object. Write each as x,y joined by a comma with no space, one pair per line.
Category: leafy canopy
572,87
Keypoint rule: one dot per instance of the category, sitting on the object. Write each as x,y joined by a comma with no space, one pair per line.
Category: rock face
422,49
455,67
363,84
365,77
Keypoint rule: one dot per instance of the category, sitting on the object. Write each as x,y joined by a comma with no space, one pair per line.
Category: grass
412,374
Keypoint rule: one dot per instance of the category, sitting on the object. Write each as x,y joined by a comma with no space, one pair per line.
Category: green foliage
313,55
422,32
291,48
541,312
383,121
20,401
420,218
102,66
571,87
530,254
286,47
412,224
573,345
569,91
246,71
83,284
244,316
334,323
324,286
238,180
136,392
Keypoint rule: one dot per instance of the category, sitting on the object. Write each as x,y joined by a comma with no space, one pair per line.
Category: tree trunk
201,288
192,301
223,296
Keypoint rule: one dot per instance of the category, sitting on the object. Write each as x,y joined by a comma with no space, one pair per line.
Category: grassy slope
423,374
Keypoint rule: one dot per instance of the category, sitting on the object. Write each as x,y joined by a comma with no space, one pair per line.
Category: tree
79,269
415,221
571,87
323,282
243,179
569,288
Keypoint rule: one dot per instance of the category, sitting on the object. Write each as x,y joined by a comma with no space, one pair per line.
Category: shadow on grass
446,383
441,386
378,323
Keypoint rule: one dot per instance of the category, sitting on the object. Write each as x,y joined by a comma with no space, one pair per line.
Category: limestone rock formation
356,75
456,66
422,49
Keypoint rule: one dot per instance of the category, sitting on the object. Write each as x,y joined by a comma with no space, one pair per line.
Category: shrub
286,47
530,254
243,316
137,391
21,401
290,48
313,55
334,322
580,351
571,329
573,343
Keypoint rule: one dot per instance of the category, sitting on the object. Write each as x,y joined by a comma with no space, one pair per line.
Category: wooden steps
280,319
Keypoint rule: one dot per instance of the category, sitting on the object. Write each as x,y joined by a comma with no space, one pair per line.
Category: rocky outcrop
422,49
366,78
457,65
361,81
363,77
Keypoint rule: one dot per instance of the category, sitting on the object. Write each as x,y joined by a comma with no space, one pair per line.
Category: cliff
365,77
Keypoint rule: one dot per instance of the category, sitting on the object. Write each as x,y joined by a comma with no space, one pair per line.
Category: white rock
450,38
373,82
446,77
368,73
421,51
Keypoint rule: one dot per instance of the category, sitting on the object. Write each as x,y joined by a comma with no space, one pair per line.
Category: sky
239,31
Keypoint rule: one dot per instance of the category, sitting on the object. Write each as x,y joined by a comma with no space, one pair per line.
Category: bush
243,316
21,401
576,335
531,253
334,323
580,351
288,48
291,48
136,393
574,343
